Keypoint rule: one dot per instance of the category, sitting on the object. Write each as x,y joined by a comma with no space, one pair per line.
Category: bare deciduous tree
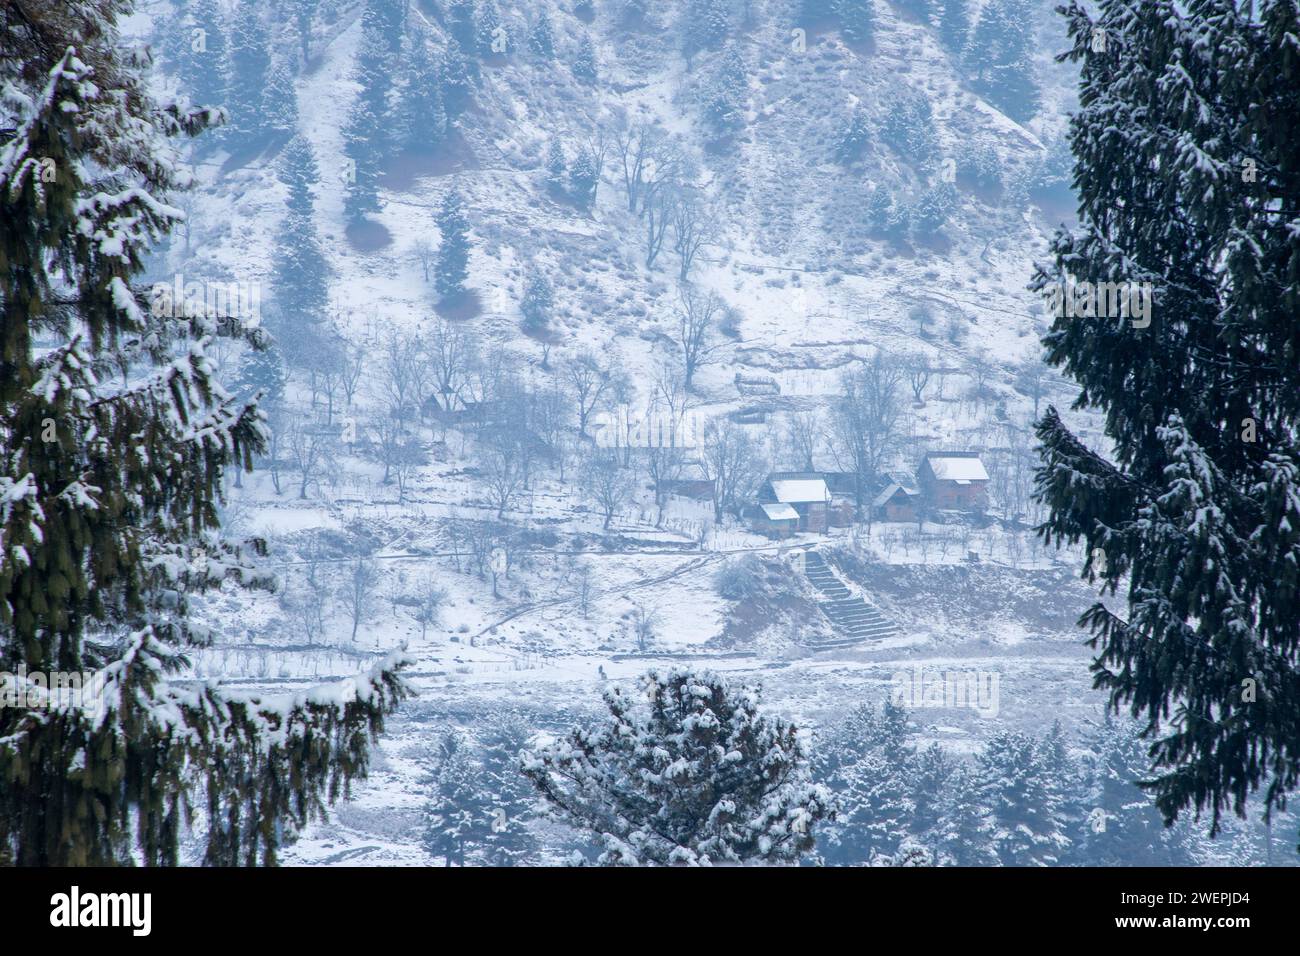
398,450
308,604
590,382
803,434
918,369
424,253
657,209
608,484
309,450
866,422
426,604
669,440
1032,378
696,331
357,595
503,475
696,224
277,423
583,585
450,352
645,626
733,461
404,374
354,367
649,157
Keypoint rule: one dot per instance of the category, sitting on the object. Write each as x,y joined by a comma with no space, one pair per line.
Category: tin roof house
802,492
953,481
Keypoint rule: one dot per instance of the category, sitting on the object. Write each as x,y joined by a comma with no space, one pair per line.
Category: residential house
899,500
953,481
805,492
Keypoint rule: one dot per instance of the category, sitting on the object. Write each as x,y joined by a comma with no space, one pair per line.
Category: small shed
775,519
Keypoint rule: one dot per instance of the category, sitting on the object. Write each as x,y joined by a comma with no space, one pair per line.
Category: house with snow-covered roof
898,500
802,492
953,481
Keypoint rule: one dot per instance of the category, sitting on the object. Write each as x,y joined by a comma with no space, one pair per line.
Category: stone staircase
855,621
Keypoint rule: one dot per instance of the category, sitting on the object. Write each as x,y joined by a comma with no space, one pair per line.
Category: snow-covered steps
855,620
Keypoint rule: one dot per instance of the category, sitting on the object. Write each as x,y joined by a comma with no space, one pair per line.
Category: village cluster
948,485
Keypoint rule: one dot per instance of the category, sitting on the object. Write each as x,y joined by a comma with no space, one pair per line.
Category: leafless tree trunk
502,477
803,433
918,370
358,592
649,158
658,213
695,225
590,381
607,483
697,318
732,460
429,599
866,422
424,253
309,451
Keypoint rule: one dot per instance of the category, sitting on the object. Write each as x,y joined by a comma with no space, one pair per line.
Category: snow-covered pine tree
541,39
457,81
866,761
303,13
874,810
556,167
504,740
853,136
299,272
932,772
297,169
386,19
109,525
1001,53
933,209
584,61
172,36
690,772
857,20
964,835
365,138
459,816
1197,514
261,371
705,24
280,102
584,177
909,126
1061,777
1121,825
954,26
451,267
250,67
726,94
538,304
203,61
1015,791
463,22
423,116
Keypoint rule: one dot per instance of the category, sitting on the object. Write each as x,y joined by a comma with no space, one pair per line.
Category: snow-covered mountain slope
915,239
